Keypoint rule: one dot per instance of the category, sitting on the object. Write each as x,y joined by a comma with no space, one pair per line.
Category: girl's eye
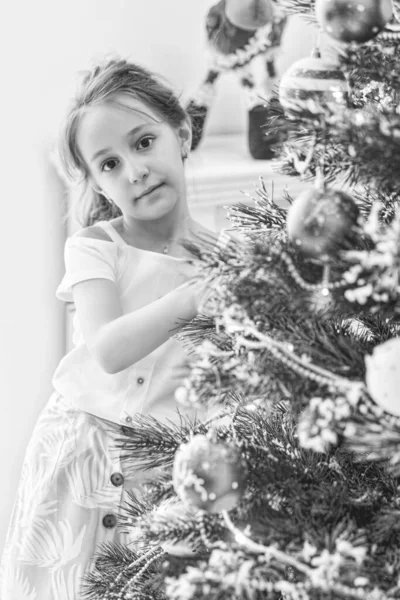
109,164
146,142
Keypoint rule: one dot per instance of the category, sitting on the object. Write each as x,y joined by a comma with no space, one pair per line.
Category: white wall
43,44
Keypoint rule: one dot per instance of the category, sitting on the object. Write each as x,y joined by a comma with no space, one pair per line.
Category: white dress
73,483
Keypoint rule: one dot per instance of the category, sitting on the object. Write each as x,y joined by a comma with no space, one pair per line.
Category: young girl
127,137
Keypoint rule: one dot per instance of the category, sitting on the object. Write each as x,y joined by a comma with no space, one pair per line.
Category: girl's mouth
149,190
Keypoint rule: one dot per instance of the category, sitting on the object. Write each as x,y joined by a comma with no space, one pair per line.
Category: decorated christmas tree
290,490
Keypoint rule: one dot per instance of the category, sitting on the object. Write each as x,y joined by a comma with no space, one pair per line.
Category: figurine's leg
199,104
257,97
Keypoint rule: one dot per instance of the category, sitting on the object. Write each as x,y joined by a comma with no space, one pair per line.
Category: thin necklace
166,247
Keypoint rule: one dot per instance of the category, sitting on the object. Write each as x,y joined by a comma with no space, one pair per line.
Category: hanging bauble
320,222
383,375
353,20
249,14
209,475
312,81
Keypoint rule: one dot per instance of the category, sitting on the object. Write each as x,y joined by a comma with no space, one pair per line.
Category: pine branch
376,61
370,197
115,565
353,145
202,328
173,522
266,217
148,443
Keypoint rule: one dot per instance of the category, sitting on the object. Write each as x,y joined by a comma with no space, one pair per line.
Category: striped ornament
312,83
391,33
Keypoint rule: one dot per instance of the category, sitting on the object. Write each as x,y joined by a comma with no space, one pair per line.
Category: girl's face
134,157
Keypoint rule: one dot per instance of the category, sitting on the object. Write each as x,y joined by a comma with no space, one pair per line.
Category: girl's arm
117,341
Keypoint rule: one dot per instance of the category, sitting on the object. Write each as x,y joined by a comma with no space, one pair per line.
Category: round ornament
312,80
353,20
249,14
383,375
209,475
321,222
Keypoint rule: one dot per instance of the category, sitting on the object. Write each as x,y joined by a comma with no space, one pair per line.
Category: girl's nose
137,172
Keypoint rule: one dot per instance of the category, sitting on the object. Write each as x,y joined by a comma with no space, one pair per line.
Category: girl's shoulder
93,232
94,241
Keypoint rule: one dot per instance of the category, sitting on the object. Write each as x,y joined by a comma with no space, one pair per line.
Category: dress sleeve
86,258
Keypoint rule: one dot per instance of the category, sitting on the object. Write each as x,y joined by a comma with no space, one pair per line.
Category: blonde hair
104,81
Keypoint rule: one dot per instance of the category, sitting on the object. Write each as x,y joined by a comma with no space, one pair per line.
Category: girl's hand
204,294
199,293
